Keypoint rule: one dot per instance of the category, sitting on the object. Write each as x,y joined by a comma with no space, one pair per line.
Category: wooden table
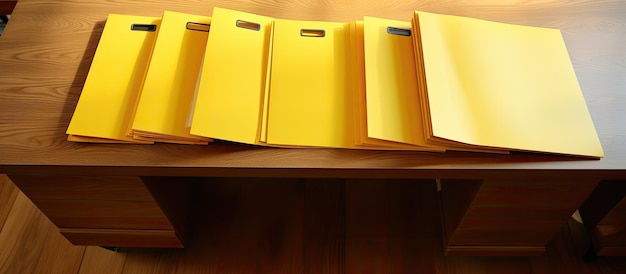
137,195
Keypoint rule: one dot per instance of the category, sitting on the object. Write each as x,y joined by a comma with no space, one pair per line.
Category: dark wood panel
494,250
508,265
456,264
492,265
367,226
324,247
113,188
573,243
277,206
456,197
7,6
526,236
173,196
617,216
605,219
611,232
508,216
393,226
104,214
513,192
241,225
415,227
609,240
122,237
564,252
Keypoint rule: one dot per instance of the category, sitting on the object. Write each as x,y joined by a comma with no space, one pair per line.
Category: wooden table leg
604,216
507,217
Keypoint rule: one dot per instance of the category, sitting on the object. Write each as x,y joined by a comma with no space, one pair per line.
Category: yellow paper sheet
504,86
108,98
170,82
232,85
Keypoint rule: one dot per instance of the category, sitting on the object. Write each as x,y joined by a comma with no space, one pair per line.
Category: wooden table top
47,47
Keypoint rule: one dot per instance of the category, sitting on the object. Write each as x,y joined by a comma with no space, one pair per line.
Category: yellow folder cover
391,99
495,85
231,91
169,88
105,107
310,99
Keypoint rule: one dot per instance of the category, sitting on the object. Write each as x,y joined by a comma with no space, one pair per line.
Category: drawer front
118,188
508,216
535,192
498,236
104,214
123,237
516,216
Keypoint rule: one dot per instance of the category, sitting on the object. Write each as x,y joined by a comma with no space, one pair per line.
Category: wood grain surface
8,193
47,47
98,260
32,244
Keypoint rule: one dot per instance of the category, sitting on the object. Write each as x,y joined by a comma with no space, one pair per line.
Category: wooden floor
287,226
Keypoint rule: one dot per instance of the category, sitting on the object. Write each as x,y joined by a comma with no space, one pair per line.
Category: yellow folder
390,100
495,85
229,104
106,104
310,98
169,88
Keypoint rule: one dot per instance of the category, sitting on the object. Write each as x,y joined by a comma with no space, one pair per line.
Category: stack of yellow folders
170,85
234,77
106,106
487,85
434,83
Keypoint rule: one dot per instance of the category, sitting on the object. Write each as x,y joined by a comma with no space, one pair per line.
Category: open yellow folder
493,85
233,82
106,105
169,88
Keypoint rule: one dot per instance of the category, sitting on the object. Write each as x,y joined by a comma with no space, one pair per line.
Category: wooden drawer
537,192
514,216
113,210
104,214
496,217
118,188
122,237
499,236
